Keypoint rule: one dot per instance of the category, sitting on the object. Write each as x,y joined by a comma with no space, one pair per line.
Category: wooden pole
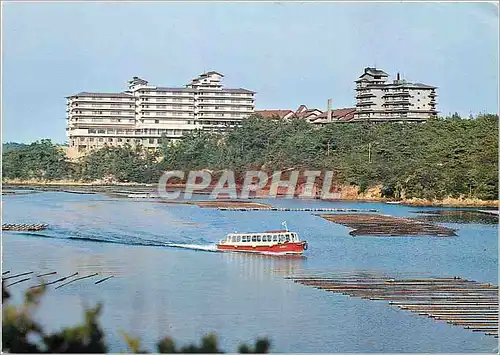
13,276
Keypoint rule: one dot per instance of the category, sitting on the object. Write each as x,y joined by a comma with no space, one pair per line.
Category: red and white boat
281,242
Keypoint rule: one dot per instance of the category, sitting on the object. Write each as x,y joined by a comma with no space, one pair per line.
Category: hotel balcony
103,100
167,109
365,94
397,94
396,102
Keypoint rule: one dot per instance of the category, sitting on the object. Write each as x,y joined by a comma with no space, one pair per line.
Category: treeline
443,157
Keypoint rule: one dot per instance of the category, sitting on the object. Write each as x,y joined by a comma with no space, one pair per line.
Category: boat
279,242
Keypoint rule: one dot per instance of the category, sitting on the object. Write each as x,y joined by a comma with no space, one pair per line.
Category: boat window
264,238
254,238
238,239
258,238
282,238
244,238
275,238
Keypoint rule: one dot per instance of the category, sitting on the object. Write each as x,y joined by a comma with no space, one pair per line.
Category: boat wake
208,247
123,240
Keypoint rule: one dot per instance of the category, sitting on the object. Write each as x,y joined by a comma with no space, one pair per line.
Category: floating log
79,192
18,282
47,274
5,272
14,276
23,227
104,279
55,281
79,278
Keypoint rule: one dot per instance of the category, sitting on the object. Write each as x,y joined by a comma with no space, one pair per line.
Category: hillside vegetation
446,157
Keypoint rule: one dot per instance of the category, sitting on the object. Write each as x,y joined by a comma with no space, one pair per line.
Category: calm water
162,290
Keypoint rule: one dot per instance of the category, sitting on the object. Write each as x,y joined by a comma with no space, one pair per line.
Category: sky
289,53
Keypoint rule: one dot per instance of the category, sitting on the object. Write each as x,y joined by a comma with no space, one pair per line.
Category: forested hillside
444,157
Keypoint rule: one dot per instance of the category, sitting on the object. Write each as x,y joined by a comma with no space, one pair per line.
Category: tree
21,334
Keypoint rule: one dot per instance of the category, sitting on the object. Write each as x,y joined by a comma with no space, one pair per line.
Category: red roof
308,112
341,114
273,113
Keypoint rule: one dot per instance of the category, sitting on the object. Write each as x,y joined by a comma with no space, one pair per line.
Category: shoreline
348,197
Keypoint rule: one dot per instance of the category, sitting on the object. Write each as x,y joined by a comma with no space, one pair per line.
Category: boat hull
279,249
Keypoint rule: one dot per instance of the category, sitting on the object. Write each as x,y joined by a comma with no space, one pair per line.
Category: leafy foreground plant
21,334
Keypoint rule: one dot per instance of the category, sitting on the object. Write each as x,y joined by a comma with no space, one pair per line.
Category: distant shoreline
101,187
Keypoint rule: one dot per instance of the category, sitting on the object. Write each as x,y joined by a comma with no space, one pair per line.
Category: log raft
290,209
23,227
456,301
364,224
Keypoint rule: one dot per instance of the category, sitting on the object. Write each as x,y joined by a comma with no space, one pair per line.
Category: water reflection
260,265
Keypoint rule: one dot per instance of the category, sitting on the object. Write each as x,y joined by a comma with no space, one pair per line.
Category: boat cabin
269,237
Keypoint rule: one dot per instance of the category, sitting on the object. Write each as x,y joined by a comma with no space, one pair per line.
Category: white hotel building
144,113
379,100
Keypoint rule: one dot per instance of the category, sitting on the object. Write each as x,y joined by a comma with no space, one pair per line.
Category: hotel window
119,139
157,121
110,139
91,139
151,141
101,139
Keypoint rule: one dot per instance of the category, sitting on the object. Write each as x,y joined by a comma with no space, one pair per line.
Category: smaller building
339,115
278,114
314,115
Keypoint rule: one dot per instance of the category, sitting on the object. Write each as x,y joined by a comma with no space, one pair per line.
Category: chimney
329,111
398,77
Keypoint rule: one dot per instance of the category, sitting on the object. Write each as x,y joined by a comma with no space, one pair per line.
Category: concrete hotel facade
379,100
144,113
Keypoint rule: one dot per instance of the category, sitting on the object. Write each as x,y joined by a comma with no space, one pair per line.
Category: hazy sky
290,53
